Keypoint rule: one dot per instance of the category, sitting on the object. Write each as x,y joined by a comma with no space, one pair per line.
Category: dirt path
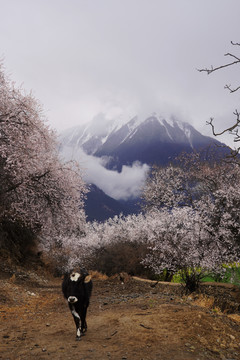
132,322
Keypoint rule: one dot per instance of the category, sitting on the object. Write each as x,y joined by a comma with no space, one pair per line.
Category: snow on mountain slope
154,140
102,136
91,135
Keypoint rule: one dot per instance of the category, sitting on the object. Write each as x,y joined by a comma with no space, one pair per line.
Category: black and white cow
77,288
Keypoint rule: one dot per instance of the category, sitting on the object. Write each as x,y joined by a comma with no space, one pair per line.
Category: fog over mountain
82,57
117,154
121,185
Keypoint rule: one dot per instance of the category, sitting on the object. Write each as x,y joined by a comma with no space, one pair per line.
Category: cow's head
75,281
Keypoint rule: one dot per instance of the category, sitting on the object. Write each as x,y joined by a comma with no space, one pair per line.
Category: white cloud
122,185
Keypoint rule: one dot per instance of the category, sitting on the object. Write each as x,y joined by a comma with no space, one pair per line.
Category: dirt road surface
130,321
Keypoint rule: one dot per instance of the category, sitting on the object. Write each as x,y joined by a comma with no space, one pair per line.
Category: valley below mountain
99,206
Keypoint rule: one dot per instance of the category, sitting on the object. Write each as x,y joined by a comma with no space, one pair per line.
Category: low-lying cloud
124,185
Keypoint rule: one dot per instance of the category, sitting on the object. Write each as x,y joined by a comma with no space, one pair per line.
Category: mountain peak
126,146
150,140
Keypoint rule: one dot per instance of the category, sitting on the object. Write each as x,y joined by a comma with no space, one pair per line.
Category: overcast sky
82,57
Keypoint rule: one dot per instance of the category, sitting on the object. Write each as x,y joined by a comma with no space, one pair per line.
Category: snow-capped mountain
90,137
151,140
129,147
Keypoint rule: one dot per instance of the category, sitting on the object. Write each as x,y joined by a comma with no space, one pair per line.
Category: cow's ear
87,279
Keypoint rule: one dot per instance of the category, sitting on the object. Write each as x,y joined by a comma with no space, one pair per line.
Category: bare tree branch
234,56
212,69
230,129
238,44
230,89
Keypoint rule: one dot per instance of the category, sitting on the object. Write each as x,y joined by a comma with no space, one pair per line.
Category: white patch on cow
78,332
72,299
75,276
75,314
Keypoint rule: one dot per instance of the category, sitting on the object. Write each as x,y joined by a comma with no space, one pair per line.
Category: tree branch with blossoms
36,188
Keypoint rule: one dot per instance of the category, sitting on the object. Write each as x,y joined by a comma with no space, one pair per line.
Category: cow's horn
87,278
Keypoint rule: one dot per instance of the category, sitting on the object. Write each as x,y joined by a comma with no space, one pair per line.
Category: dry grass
235,317
98,275
208,302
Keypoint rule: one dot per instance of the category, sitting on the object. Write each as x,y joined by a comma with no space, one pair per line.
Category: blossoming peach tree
37,190
199,203
190,224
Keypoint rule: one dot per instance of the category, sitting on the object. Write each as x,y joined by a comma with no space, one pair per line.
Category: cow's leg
76,318
83,314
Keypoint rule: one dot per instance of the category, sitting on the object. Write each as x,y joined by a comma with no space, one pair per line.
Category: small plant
152,303
191,278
